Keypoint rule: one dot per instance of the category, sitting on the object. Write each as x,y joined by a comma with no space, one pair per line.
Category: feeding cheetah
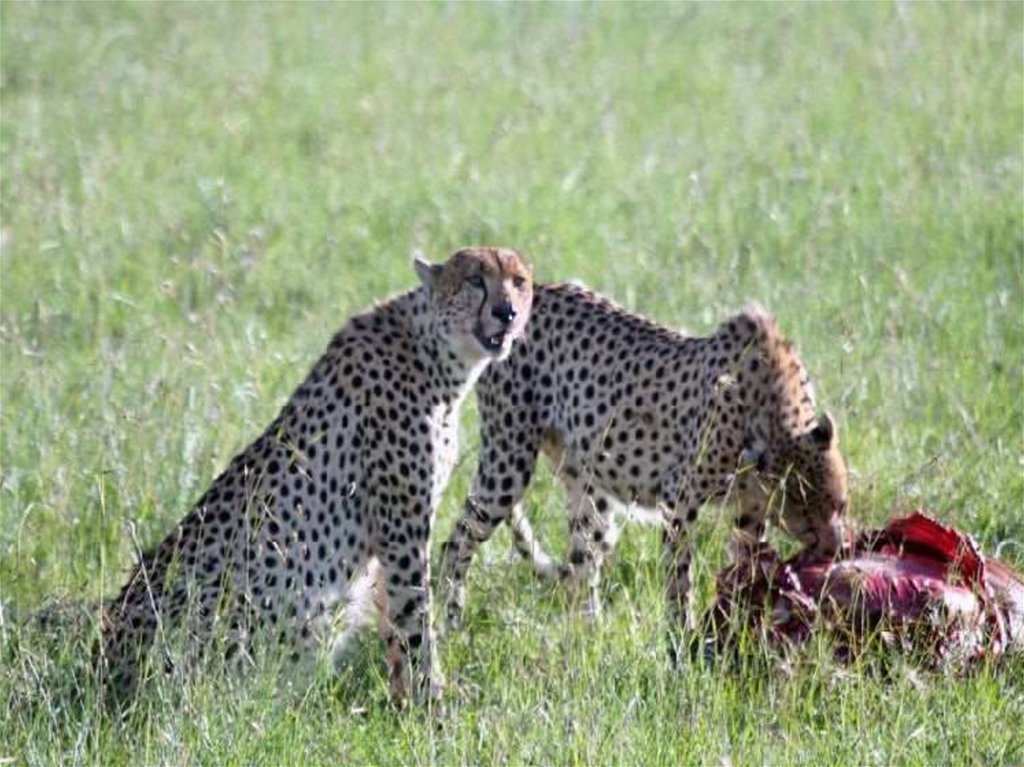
346,479
633,413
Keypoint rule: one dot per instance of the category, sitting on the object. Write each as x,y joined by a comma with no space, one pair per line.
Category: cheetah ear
427,272
825,432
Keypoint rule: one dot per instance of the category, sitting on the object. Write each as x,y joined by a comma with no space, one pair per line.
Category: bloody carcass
915,584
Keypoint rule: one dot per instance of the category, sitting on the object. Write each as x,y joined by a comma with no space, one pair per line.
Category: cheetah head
806,485
482,298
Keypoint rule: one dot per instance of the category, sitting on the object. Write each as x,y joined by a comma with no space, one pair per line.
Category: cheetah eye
476,281
519,282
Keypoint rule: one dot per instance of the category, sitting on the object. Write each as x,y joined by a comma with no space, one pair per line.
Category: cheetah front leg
402,545
677,557
684,496
476,525
407,629
501,479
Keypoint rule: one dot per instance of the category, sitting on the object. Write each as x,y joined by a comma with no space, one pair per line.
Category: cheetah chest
444,435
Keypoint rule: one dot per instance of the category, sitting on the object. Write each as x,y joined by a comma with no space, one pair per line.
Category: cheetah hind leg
593,533
526,543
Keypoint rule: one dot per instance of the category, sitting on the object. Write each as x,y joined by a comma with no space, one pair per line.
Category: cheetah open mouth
493,343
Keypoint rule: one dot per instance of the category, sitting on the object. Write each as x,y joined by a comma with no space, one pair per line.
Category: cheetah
632,414
345,481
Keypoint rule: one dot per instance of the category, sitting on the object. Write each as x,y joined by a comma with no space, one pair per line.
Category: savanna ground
195,196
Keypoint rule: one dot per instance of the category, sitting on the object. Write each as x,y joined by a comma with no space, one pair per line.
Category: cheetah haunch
633,413
347,478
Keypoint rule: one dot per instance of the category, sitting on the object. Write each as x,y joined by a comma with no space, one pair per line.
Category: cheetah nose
504,313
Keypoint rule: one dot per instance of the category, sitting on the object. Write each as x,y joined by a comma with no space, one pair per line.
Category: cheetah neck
454,376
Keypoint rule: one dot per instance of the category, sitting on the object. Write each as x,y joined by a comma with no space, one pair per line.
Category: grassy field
195,196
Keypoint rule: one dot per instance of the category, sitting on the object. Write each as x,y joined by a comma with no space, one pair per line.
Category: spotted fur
345,481
635,414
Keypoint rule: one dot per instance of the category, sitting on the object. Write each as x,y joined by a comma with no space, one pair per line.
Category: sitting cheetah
347,478
634,413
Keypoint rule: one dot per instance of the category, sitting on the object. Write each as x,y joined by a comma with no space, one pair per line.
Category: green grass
195,196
